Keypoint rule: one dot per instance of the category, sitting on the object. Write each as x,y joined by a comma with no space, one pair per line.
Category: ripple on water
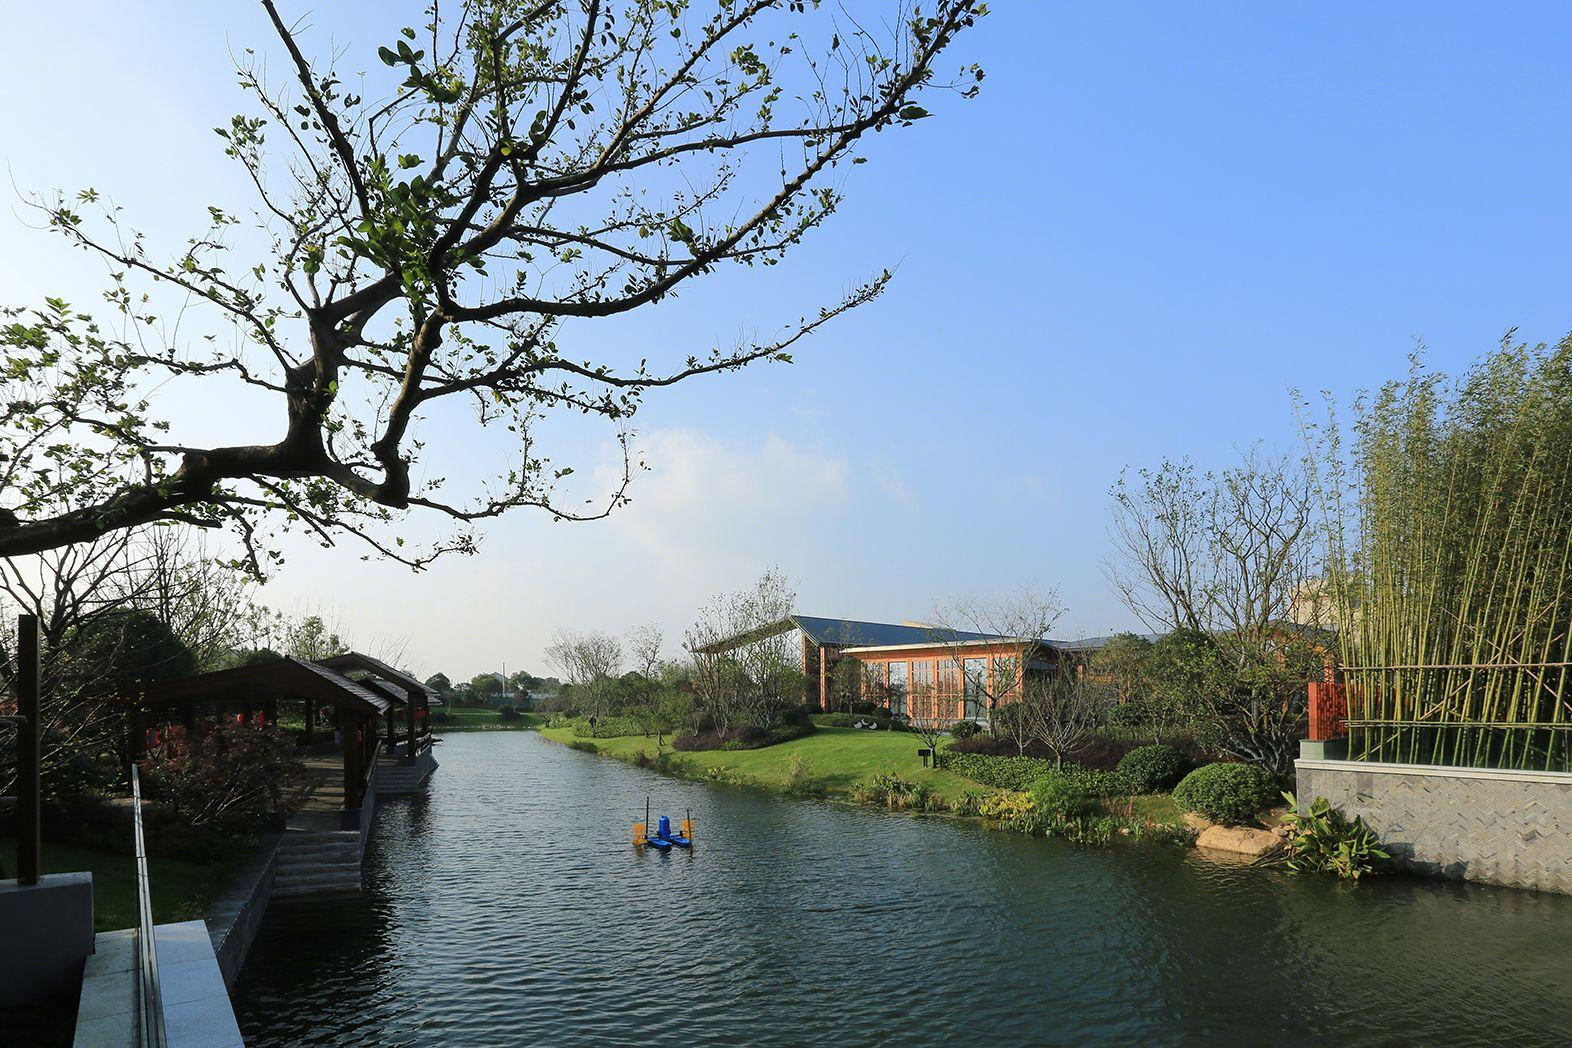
505,907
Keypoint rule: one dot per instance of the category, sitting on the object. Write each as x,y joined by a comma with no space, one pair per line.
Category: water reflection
506,907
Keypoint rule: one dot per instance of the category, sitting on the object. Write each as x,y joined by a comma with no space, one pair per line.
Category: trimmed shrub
1225,792
1150,769
964,729
851,720
508,713
1059,796
743,738
1020,773
1130,714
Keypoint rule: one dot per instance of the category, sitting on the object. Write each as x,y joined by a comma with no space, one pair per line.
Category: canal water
506,907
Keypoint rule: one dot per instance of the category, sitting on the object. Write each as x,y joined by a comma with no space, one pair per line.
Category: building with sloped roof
925,672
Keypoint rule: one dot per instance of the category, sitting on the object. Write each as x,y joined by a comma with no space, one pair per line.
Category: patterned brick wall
1496,827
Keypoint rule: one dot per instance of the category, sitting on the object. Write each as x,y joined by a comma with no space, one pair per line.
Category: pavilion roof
273,679
409,685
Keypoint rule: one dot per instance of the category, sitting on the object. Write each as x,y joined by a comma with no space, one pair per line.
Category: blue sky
1155,221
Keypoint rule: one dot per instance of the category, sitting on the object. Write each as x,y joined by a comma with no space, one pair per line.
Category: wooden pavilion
352,703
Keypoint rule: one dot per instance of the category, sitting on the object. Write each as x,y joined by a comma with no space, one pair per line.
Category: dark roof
274,678
1093,643
356,661
851,633
855,633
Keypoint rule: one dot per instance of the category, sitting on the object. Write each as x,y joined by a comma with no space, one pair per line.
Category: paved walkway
197,1012
324,806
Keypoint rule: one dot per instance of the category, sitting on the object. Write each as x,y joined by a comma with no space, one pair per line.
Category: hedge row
851,720
1019,773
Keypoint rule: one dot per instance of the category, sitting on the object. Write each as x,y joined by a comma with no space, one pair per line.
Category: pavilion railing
150,1000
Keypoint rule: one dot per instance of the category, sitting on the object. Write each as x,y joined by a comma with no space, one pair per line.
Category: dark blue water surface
506,907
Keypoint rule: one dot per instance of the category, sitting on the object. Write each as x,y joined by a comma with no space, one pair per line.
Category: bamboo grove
1450,549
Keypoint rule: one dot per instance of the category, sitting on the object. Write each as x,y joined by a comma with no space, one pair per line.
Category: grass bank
832,762
485,718
181,889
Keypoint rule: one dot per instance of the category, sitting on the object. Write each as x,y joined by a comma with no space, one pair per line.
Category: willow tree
1450,512
440,229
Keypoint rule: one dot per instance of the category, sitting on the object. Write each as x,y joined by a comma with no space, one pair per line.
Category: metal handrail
150,999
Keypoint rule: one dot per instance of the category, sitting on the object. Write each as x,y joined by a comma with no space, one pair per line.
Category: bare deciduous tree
1216,561
760,675
644,646
1061,709
1025,617
434,230
95,602
588,661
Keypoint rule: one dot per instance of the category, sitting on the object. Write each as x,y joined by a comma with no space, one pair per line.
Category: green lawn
181,889
834,760
484,718
1158,807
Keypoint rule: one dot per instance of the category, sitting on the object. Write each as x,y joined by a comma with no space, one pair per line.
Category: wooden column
409,723
28,792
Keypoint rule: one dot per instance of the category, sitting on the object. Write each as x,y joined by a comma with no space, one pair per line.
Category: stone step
306,844
319,850
327,858
308,871
322,871
319,886
307,878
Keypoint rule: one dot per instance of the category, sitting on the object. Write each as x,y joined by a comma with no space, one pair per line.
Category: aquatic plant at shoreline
1048,813
891,791
1060,797
1323,840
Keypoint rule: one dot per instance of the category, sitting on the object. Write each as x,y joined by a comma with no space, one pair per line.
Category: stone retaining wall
1490,825
235,916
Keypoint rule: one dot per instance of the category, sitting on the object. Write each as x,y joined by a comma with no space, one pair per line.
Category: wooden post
409,722
28,792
